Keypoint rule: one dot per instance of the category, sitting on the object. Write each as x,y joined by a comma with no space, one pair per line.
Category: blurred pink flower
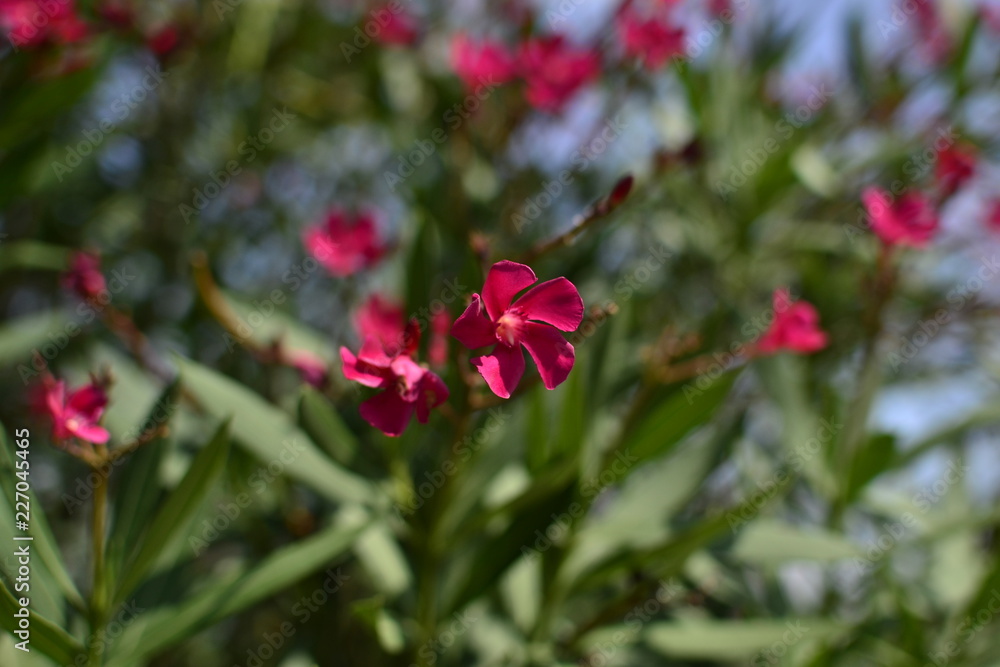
345,244
931,31
910,220
555,71
795,327
408,387
382,319
164,40
75,416
437,352
654,40
311,368
396,27
485,60
30,23
955,166
494,320
84,276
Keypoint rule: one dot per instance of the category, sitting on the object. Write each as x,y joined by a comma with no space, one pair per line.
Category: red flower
555,71
30,23
511,325
483,61
911,220
382,319
84,277
408,387
163,41
396,28
345,244
77,415
795,327
954,167
653,40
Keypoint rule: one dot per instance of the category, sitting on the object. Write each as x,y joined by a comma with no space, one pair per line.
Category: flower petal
55,399
88,401
472,329
359,371
89,432
504,280
553,355
387,412
433,392
502,370
556,302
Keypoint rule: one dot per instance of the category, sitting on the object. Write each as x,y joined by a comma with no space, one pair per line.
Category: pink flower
345,244
311,368
955,166
534,321
437,352
476,62
30,23
164,40
911,220
395,28
931,31
795,327
84,277
653,40
408,387
382,319
555,71
75,416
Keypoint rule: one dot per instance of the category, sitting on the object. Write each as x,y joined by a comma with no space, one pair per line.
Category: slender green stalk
98,595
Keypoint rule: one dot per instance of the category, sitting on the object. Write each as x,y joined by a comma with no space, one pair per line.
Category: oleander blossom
533,321
795,327
993,215
408,388
909,221
31,23
311,369
554,71
84,277
395,27
77,414
345,244
483,60
654,40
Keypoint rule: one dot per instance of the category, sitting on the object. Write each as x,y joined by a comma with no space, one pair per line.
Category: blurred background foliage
831,509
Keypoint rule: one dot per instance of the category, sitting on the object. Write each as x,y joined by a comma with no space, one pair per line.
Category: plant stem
98,594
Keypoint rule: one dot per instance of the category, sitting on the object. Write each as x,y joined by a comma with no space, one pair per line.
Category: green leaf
770,542
44,543
271,325
178,510
33,255
19,337
321,421
701,639
874,457
264,431
228,594
46,637
681,413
